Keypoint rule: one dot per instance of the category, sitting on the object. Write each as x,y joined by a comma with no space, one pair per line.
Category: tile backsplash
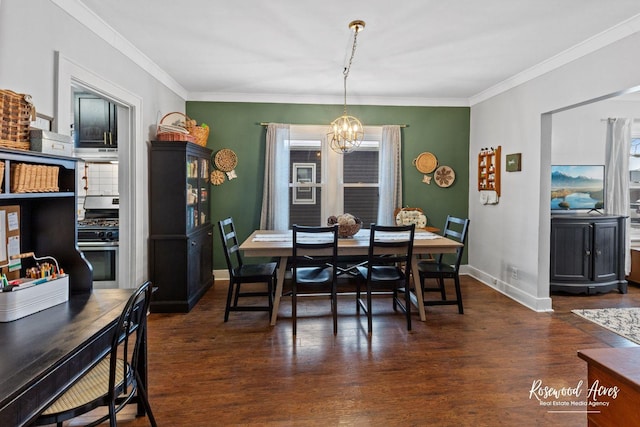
98,179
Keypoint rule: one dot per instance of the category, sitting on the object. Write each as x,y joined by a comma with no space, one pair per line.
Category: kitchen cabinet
181,233
48,218
587,253
96,122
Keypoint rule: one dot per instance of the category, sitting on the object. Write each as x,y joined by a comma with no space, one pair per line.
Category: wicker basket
16,114
178,126
346,230
200,133
27,178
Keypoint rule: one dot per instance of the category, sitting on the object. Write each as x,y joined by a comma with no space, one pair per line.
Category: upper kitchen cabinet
95,122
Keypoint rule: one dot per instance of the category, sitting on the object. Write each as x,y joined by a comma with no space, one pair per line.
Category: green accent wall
443,131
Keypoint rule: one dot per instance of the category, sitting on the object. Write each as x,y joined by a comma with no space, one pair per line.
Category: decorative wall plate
444,176
226,160
217,177
426,162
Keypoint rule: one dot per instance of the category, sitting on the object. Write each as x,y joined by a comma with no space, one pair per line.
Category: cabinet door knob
110,138
104,138
587,252
598,252
193,243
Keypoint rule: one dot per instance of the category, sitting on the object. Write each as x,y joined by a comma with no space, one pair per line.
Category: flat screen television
577,187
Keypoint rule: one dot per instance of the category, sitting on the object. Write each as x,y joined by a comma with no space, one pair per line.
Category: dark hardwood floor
474,369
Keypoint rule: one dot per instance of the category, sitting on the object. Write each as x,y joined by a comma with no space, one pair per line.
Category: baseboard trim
516,294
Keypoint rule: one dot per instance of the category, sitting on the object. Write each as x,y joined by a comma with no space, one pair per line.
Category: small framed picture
303,178
514,162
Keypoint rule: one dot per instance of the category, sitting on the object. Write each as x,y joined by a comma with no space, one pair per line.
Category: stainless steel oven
98,236
103,257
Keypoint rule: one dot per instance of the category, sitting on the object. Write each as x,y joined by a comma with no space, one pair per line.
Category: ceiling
417,52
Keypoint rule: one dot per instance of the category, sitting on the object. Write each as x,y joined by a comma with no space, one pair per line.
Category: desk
358,245
41,354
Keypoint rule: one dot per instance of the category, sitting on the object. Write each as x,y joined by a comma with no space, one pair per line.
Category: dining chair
388,266
455,229
241,273
116,379
313,265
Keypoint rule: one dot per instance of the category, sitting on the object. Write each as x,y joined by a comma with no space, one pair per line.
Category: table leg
418,287
282,269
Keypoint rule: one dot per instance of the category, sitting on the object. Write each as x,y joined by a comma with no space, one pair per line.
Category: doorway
129,110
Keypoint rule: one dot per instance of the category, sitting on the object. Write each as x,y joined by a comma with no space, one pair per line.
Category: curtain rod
296,124
613,118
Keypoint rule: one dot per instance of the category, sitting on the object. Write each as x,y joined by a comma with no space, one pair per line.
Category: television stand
587,254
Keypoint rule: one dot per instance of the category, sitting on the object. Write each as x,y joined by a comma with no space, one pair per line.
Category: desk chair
384,269
241,273
313,264
455,229
115,380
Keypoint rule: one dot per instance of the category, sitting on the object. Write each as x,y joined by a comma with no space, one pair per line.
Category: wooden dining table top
280,243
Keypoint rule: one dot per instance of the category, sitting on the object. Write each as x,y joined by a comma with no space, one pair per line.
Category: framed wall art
514,162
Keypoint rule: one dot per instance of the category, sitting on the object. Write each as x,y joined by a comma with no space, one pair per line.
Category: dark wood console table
42,354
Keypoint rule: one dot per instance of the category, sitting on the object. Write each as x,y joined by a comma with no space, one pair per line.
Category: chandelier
346,132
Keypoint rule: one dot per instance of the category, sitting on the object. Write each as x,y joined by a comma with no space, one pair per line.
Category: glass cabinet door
197,192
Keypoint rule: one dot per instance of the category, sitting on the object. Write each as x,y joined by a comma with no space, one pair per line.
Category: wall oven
98,236
103,257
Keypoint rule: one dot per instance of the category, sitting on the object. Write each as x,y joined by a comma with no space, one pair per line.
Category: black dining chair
388,267
241,273
313,267
116,379
438,269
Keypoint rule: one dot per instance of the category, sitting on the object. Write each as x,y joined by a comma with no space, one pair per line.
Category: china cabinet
181,233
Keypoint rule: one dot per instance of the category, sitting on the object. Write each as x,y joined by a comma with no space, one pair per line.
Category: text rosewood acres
551,396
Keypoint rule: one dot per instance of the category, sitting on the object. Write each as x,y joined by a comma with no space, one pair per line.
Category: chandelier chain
347,69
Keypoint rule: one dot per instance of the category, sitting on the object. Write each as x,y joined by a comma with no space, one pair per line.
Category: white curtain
618,147
390,174
275,193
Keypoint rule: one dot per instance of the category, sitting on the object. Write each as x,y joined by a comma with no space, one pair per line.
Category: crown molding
326,99
85,16
605,38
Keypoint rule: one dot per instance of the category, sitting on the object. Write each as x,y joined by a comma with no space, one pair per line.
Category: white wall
30,34
515,233
578,134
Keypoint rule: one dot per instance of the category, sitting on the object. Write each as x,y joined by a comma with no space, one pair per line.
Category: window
323,183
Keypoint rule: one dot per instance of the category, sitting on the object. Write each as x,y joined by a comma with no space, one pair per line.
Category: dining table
279,244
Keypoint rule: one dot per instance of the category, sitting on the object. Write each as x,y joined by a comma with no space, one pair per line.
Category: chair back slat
314,246
230,245
382,238
458,234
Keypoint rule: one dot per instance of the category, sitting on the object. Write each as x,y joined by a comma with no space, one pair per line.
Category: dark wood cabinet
587,253
96,122
48,219
181,242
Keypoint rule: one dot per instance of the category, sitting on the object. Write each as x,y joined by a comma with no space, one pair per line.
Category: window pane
362,202
306,156
305,214
361,166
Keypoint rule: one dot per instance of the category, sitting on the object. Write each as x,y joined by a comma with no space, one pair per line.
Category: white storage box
33,298
51,143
